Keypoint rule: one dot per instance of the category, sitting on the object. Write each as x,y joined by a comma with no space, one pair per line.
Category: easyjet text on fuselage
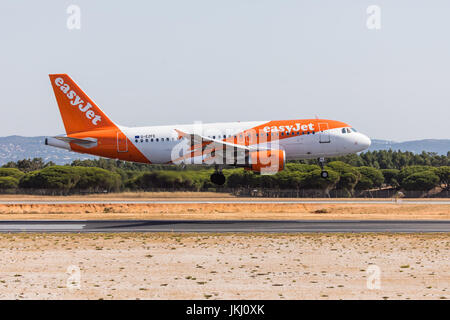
290,128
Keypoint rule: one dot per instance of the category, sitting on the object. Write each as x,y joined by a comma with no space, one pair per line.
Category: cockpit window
348,130
354,130
343,130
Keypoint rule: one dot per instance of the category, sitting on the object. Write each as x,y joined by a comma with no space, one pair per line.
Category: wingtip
181,134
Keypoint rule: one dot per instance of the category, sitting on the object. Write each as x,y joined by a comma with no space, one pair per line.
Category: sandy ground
172,266
225,211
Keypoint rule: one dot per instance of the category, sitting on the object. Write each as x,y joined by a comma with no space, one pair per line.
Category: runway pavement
236,226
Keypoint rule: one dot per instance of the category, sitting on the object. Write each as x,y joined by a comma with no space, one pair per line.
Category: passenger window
157,139
146,140
136,140
151,140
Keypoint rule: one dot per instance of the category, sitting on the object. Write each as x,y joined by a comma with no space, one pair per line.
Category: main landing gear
218,177
324,173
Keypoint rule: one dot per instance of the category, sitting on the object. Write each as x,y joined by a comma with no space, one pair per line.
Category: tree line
352,174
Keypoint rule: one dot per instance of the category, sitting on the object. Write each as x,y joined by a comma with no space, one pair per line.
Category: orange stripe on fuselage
280,130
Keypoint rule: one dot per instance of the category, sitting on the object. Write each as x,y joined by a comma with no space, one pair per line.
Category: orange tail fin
79,113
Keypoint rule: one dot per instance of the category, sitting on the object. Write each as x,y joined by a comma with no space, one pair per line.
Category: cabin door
122,142
324,134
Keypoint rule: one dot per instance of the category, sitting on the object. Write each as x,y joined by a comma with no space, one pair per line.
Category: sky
176,62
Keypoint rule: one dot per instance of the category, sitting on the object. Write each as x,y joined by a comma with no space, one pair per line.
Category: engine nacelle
266,161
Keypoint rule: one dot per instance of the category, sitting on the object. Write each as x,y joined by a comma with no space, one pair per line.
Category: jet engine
266,161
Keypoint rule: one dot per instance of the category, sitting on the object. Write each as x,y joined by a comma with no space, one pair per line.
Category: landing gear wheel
218,178
323,174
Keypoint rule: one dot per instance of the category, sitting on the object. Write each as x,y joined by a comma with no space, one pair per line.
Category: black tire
221,179
218,178
324,174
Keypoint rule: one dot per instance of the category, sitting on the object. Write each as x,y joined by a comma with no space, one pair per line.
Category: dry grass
177,195
252,266
223,211
122,196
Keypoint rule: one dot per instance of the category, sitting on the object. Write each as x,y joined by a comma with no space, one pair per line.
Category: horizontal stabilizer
86,142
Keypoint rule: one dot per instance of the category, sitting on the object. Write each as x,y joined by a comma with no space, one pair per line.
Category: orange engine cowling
266,161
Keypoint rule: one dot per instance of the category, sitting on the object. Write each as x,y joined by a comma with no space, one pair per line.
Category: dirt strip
224,211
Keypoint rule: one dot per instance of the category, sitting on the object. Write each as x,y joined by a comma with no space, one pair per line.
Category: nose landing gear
218,177
324,173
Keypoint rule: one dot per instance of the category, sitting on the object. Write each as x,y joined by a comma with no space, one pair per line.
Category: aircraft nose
364,141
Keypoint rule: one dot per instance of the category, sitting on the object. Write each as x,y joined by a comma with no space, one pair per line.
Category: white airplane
260,146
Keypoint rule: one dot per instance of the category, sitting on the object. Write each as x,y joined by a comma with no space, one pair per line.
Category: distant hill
440,146
15,148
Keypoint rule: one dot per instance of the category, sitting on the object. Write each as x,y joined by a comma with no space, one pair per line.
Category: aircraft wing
202,140
209,148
